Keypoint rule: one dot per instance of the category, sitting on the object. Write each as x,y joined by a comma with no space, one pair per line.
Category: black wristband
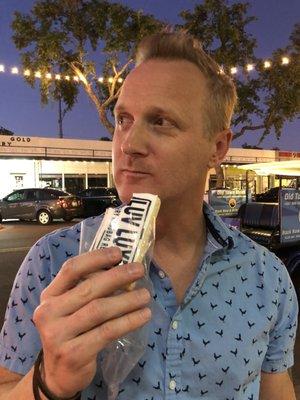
38,384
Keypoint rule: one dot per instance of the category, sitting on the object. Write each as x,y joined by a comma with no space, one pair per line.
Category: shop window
53,181
74,183
97,181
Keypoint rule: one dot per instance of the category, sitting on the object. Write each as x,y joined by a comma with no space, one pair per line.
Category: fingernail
135,268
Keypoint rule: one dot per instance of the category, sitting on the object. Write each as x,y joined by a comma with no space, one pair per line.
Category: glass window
16,196
31,195
50,194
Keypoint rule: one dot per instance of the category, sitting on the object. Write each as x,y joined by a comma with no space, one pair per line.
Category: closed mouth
130,171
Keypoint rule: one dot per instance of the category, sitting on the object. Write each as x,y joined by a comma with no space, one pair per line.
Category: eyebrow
119,108
152,110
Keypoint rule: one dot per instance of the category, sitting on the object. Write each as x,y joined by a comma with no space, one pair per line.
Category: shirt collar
219,230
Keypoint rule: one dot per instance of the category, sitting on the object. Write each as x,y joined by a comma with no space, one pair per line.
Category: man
225,317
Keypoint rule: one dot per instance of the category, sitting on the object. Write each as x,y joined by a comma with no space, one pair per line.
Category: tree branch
247,128
92,95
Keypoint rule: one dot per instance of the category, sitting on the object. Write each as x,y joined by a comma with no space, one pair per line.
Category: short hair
222,97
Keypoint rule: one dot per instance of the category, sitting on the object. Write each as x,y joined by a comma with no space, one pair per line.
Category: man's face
159,145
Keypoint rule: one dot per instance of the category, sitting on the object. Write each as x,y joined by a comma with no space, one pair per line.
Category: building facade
75,164
68,164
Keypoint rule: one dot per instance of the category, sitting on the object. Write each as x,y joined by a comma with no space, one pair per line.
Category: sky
22,112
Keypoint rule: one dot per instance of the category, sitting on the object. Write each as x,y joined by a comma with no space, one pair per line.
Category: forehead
155,82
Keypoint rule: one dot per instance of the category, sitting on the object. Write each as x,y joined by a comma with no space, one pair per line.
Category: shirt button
161,274
172,384
175,325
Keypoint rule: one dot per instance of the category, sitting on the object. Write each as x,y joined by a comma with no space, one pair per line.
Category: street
15,240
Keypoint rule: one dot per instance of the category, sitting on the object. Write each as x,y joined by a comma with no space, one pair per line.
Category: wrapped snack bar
132,229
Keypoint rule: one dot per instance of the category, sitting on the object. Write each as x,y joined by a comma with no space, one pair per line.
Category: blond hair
222,97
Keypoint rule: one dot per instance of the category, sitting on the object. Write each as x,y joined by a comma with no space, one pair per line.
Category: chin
126,194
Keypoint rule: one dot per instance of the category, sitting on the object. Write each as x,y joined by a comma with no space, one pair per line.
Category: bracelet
38,384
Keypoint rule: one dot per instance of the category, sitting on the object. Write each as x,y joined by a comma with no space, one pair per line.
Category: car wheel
44,217
67,219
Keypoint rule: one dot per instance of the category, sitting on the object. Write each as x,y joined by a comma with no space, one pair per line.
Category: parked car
96,200
41,204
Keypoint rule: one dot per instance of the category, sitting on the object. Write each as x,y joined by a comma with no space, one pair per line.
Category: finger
98,286
101,310
76,268
89,344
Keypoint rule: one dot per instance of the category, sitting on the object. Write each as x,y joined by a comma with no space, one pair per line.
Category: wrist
40,386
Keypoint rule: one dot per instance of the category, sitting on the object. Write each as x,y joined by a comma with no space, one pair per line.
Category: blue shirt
237,318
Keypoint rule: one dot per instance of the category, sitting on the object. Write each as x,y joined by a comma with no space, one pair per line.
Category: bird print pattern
238,317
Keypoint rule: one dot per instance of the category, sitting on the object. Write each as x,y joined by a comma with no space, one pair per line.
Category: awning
287,168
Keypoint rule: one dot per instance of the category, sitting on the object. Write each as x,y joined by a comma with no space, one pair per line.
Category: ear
220,146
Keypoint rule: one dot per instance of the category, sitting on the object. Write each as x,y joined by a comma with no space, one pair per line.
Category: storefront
69,164
75,164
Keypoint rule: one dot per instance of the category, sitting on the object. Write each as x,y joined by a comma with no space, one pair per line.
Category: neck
180,227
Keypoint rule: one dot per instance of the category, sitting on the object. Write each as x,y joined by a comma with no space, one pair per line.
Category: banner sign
289,203
227,202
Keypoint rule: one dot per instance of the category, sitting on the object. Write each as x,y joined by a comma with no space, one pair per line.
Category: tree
69,36
267,97
77,37
4,131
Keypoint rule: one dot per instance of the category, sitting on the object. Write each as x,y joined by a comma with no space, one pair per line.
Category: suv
41,204
96,200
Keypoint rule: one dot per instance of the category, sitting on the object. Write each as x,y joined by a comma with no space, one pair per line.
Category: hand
80,314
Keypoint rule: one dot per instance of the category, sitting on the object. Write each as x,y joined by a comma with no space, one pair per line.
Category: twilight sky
20,108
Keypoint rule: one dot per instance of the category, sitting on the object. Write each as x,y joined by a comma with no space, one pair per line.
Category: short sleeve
280,352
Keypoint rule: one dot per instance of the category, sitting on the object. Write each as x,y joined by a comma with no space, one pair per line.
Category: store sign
289,202
14,141
226,202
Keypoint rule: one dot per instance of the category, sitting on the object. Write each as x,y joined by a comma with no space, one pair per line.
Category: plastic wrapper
131,228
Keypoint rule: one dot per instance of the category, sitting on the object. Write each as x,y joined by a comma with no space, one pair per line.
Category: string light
285,60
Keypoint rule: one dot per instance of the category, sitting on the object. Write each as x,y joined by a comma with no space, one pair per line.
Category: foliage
76,37
4,131
82,37
267,97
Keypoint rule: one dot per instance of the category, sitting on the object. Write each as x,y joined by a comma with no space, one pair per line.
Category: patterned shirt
238,317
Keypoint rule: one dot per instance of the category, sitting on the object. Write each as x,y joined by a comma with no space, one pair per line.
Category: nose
135,142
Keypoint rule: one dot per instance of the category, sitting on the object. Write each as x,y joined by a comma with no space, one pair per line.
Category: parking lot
15,240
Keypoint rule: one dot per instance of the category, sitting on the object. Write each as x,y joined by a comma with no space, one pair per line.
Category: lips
131,172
